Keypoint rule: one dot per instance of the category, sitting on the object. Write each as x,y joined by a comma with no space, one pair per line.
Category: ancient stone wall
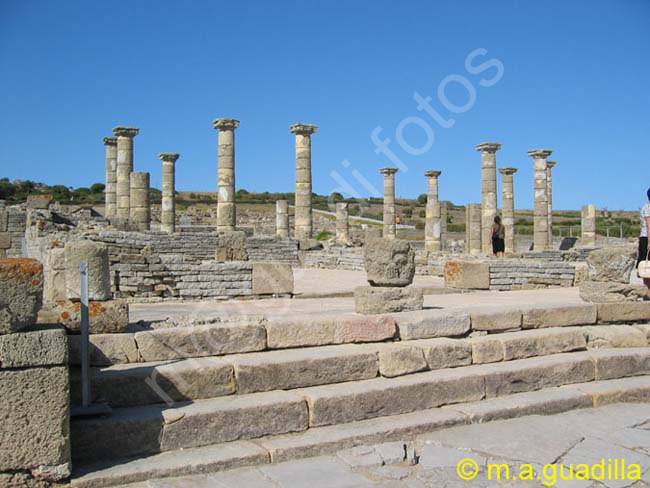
515,274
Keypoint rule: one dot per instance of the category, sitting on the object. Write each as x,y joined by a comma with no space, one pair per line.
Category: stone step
325,440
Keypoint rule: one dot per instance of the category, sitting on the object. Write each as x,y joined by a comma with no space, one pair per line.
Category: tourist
643,242
497,237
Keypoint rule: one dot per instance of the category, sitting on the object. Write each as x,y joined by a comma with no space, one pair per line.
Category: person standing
497,237
644,216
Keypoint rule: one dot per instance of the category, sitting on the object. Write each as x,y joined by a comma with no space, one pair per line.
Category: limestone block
496,320
613,263
559,316
108,317
231,247
444,353
541,342
329,330
626,390
376,300
427,324
581,273
199,341
611,336
54,286
35,418
105,349
271,278
467,275
21,293
43,346
486,349
645,328
389,262
99,281
5,240
397,359
624,312
618,363
610,292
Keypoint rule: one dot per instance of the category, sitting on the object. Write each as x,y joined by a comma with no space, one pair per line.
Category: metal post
85,339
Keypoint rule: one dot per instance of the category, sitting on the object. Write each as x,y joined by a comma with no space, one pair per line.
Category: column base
369,300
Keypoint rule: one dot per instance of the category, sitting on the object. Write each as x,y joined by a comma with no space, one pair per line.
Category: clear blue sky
575,79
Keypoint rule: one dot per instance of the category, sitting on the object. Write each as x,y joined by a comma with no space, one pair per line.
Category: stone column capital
110,141
303,129
508,171
168,157
432,173
124,131
550,164
225,123
488,147
388,171
540,153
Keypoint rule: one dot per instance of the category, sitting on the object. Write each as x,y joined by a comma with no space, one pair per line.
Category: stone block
398,360
389,262
199,341
612,336
4,220
618,363
110,317
427,324
645,328
624,312
370,300
559,316
444,353
467,275
99,281
272,278
105,349
609,292
496,320
5,240
231,247
309,245
343,329
486,349
21,293
54,287
35,418
625,390
541,342
613,263
42,346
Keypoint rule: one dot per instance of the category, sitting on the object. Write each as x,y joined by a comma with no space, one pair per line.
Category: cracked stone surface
581,436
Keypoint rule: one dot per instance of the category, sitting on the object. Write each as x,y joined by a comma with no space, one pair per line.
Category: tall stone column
540,219
488,191
168,213
303,218
110,192
473,234
588,226
508,204
444,214
226,212
342,224
125,137
549,194
282,218
139,211
389,202
432,230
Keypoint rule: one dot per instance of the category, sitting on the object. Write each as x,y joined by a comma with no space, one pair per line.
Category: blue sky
572,76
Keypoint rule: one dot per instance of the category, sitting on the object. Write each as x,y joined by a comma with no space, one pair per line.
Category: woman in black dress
498,237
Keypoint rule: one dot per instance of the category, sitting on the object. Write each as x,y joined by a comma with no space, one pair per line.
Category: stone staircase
255,393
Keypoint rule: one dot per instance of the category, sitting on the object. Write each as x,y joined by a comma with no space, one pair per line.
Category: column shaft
302,207
342,224
390,228
444,215
508,207
110,191
432,229
488,191
549,194
226,211
125,137
588,226
475,221
168,212
139,211
282,218
540,222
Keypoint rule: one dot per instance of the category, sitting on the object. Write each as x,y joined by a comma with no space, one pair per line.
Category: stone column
226,212
432,230
508,204
474,215
389,202
125,137
540,219
110,192
342,224
488,191
303,219
549,194
588,238
139,211
282,218
168,213
444,213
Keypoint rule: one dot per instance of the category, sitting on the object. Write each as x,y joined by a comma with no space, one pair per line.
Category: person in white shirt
644,216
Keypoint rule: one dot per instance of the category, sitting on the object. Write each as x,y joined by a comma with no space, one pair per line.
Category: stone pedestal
282,218
508,211
342,224
168,213
110,192
549,194
139,210
588,226
369,300
226,212
488,191
473,228
389,202
99,282
303,215
125,137
432,222
540,222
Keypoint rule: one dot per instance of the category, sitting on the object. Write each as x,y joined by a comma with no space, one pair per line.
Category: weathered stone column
444,214
125,137
588,226
549,195
389,202
282,218
303,218
226,212
342,224
540,222
139,211
168,204
488,191
432,230
508,204
110,192
474,215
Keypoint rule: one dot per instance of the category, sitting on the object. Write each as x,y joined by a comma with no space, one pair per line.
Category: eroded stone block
467,275
21,293
383,299
389,262
99,281
104,317
272,278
